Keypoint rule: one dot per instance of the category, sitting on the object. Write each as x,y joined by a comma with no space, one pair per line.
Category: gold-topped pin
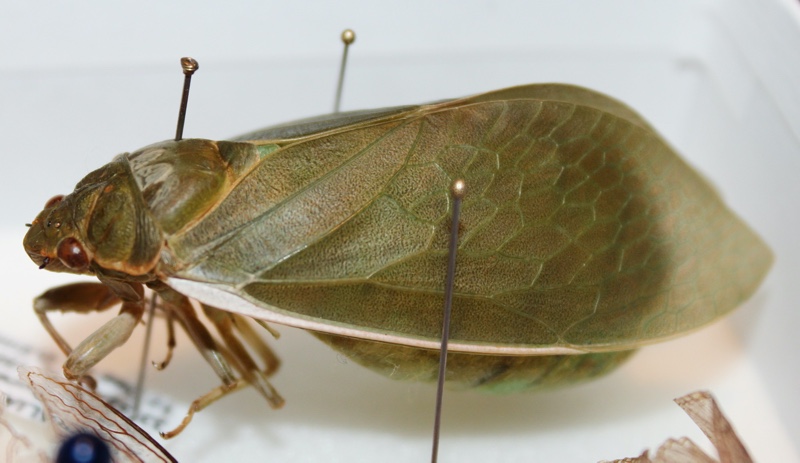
189,66
457,191
348,37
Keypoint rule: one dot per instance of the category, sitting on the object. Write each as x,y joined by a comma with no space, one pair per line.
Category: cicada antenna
348,37
457,191
189,66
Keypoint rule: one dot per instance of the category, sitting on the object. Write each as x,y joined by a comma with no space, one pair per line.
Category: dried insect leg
223,359
75,297
269,358
92,297
203,402
213,353
170,342
228,324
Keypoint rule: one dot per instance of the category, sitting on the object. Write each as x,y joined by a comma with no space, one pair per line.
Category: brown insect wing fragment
681,450
70,409
643,458
15,447
704,411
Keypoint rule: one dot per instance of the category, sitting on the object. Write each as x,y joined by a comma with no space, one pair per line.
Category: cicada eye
71,253
53,201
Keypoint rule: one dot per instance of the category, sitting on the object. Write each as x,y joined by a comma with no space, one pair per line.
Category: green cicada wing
554,92
568,94
581,228
318,124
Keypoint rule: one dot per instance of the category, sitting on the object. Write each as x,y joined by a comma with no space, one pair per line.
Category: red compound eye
71,253
53,201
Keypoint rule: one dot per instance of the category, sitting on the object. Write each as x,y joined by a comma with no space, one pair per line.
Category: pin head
84,447
348,36
458,189
189,65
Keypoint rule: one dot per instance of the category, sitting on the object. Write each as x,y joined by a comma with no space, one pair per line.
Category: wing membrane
581,227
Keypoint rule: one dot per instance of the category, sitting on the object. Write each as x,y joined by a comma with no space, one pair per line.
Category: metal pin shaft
348,37
137,397
189,66
457,191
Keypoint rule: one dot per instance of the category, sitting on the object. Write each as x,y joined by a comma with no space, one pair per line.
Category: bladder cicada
583,237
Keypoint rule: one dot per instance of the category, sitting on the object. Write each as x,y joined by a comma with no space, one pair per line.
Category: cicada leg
84,298
170,342
75,297
269,358
222,358
214,354
227,324
203,402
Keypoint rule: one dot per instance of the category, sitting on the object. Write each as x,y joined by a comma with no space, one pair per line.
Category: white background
80,83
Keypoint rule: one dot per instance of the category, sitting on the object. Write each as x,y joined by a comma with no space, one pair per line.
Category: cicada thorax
123,214
180,182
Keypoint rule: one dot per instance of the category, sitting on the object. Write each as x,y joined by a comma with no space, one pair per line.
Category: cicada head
54,241
99,225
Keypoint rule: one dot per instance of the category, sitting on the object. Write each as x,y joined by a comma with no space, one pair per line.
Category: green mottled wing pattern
581,227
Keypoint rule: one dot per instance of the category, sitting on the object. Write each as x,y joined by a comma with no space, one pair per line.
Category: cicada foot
212,396
203,402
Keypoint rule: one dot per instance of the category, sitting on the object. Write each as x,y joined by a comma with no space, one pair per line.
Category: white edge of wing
217,296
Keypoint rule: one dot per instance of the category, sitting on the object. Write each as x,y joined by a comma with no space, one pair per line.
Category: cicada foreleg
75,297
91,297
